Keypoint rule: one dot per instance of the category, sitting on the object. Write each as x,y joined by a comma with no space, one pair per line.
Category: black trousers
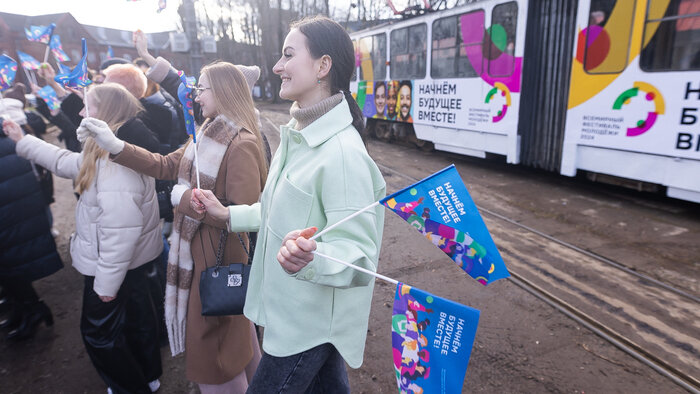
121,336
19,291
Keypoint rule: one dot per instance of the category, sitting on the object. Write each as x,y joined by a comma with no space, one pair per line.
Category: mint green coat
317,177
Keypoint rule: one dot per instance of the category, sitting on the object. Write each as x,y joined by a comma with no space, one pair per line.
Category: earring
318,79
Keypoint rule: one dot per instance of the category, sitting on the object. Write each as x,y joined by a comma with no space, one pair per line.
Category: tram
605,88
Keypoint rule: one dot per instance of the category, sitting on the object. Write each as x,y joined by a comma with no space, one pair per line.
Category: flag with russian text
49,95
40,34
27,61
57,49
78,76
431,340
8,70
184,94
441,209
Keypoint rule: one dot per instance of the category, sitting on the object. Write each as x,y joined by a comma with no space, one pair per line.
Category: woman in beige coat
222,351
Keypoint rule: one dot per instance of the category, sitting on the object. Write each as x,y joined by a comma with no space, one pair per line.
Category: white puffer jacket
116,219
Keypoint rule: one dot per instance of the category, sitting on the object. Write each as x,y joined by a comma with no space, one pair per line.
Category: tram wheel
425,146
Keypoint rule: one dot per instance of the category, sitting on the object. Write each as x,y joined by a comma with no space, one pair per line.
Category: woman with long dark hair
315,311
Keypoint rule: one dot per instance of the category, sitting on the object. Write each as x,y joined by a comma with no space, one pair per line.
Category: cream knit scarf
213,140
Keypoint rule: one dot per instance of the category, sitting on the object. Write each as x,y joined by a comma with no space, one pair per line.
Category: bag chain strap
222,243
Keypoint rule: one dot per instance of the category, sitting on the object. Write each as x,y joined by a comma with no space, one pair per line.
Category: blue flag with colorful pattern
110,52
62,68
49,95
57,49
78,76
441,209
431,340
27,61
8,70
40,34
184,94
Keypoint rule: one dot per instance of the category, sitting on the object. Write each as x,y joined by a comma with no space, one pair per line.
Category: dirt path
522,345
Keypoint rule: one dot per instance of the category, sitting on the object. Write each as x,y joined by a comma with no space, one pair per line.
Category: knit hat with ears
251,74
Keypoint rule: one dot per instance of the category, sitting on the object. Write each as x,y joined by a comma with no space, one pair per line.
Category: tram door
635,92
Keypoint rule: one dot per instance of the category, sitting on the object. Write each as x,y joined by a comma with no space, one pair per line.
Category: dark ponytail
327,37
357,118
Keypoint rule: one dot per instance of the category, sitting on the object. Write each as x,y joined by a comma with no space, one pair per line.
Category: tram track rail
684,380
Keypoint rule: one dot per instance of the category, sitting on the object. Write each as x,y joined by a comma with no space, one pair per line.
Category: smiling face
405,101
380,99
297,68
391,101
205,97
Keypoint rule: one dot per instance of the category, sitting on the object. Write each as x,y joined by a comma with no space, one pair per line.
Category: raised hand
103,135
141,44
47,72
12,130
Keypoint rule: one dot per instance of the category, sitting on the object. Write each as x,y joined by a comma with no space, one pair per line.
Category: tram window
373,57
456,47
672,36
500,39
603,47
408,47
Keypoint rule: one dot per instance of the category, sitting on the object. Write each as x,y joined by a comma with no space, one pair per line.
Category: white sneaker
154,385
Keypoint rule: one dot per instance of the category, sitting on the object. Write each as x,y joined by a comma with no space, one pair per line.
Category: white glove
103,135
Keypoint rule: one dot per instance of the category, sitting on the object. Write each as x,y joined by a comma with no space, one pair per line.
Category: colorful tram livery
606,88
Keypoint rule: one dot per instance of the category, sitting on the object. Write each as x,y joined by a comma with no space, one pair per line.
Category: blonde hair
129,76
115,106
233,99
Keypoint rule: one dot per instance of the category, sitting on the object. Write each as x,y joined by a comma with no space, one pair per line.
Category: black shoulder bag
222,288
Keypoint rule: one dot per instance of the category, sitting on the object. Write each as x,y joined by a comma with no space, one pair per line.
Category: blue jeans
317,370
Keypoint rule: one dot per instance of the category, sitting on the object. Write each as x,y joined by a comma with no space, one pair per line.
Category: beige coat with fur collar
217,348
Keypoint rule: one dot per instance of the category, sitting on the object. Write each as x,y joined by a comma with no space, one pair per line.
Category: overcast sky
116,14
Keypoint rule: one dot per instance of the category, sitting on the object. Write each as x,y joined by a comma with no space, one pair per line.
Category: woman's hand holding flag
103,135
297,250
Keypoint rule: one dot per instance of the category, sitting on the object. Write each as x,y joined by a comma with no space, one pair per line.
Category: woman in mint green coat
315,311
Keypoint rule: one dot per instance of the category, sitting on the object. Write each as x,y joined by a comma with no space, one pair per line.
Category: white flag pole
374,204
87,110
196,163
366,271
33,77
46,54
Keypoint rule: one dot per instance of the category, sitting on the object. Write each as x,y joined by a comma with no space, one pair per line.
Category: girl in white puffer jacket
117,236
